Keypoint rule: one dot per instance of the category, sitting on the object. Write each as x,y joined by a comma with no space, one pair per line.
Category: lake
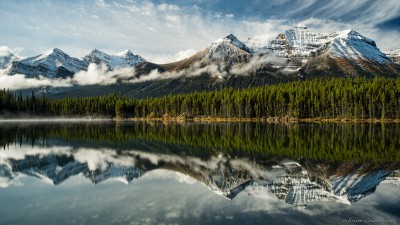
111,172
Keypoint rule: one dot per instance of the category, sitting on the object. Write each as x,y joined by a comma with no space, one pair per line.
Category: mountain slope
117,60
53,63
294,44
225,52
350,54
344,53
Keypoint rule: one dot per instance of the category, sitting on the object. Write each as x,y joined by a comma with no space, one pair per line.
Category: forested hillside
334,98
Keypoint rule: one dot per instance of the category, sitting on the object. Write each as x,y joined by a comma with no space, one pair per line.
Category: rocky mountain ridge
295,54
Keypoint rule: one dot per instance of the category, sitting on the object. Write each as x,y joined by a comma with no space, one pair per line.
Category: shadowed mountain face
228,163
52,64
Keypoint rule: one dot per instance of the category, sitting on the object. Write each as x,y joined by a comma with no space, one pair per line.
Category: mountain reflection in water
228,158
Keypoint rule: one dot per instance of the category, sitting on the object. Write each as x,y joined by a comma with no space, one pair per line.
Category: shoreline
279,120
180,119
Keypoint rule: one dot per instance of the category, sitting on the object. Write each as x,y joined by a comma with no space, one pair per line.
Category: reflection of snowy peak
289,181
50,169
393,178
122,59
53,64
356,186
298,187
121,174
295,187
6,58
56,169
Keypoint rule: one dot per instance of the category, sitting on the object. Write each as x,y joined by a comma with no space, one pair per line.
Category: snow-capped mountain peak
120,59
227,50
49,55
51,63
354,35
231,39
352,45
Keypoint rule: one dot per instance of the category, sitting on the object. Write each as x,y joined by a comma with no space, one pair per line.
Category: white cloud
19,81
15,51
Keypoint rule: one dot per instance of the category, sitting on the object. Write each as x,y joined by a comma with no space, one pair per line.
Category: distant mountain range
294,54
290,181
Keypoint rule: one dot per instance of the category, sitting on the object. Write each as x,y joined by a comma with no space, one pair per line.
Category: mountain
53,63
393,55
343,53
6,58
117,60
349,54
294,44
295,54
225,52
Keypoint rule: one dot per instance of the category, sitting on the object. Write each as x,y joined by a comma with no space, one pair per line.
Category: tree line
334,98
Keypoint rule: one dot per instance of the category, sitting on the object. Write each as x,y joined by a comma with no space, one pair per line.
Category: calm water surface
212,173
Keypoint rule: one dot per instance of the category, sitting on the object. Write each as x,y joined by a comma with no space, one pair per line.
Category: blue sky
163,31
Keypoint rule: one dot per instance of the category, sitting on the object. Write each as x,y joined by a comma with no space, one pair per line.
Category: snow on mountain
394,55
223,52
352,45
228,48
393,178
117,60
288,181
53,63
295,186
298,44
118,173
295,42
6,58
356,186
54,170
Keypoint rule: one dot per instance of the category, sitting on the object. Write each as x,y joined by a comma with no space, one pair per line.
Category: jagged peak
356,36
51,52
228,38
124,53
231,37
233,40
95,50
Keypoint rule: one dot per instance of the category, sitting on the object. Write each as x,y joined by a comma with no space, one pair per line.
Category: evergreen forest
362,98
